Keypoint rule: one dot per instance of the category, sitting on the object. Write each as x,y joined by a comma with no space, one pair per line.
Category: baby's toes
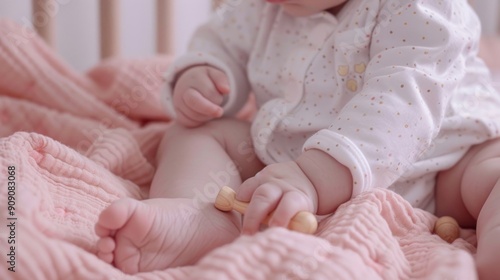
105,249
105,257
106,245
103,231
116,215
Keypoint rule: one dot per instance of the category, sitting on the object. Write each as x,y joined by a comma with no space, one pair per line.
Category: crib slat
164,26
44,21
110,28
498,19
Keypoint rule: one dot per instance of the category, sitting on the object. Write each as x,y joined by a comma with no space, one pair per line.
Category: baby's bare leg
216,154
179,224
470,192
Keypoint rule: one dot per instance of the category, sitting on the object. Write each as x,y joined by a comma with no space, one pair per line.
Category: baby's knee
483,173
478,182
177,133
483,166
177,130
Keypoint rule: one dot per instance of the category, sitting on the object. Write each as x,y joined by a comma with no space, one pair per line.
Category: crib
92,138
109,17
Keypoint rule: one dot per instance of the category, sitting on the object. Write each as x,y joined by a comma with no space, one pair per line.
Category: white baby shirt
392,89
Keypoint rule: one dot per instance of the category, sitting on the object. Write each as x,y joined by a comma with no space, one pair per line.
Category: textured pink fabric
78,142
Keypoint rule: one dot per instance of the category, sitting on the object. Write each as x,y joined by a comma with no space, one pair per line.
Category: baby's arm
418,54
222,45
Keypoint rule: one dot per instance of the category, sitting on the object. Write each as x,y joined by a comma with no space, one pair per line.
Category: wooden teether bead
447,228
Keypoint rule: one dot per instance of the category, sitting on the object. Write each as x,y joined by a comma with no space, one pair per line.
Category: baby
362,93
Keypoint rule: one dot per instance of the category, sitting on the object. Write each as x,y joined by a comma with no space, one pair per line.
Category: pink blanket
74,143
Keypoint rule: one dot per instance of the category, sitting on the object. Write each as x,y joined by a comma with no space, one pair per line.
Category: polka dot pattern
396,84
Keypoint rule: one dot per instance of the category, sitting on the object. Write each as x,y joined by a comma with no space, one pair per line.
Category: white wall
77,26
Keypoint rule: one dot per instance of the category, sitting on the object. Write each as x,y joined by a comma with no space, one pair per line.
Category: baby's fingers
220,80
196,102
290,204
264,201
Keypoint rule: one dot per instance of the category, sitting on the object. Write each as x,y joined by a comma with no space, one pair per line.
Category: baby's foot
160,233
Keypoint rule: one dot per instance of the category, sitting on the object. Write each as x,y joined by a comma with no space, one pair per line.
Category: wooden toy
447,228
303,221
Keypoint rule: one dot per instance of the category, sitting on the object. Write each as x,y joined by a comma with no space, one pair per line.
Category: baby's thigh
462,190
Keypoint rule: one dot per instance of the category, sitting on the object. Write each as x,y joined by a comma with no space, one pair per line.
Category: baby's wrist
331,179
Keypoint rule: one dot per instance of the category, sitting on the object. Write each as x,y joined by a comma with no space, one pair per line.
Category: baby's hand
198,95
280,187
